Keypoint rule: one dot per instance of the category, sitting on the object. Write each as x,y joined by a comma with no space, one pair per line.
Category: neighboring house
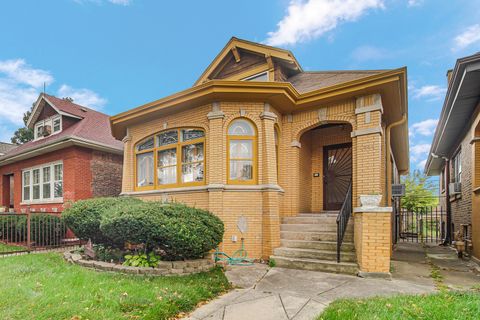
73,156
455,151
5,147
258,141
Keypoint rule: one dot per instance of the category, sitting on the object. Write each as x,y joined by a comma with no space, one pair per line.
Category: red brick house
73,156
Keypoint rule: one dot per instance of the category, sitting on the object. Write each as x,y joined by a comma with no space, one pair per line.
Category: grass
10,248
43,286
443,305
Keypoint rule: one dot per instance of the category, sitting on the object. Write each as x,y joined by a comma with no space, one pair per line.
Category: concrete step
316,214
316,265
304,227
305,220
330,255
317,245
315,236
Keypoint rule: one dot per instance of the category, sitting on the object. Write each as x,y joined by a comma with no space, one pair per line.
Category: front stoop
309,242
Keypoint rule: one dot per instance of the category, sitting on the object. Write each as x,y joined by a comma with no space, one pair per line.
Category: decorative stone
85,263
192,263
370,200
75,257
164,265
105,266
179,264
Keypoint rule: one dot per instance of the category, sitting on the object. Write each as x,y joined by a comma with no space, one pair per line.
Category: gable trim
236,43
35,111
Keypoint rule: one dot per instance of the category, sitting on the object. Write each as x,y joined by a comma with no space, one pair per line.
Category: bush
84,216
177,231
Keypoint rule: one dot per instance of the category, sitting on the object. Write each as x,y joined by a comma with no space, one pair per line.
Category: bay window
39,182
170,158
241,152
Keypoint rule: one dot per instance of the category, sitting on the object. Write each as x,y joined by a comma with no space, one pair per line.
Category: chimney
449,76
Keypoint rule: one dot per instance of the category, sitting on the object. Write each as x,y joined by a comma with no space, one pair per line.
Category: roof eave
57,145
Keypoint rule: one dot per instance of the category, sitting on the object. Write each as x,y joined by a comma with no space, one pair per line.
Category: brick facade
293,189
86,173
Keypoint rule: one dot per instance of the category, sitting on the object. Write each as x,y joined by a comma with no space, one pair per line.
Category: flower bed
164,268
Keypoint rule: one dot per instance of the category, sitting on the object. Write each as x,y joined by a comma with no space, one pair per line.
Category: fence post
28,231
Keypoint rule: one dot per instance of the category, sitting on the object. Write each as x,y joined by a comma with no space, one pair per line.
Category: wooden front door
337,174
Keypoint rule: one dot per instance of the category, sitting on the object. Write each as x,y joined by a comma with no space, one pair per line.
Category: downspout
388,151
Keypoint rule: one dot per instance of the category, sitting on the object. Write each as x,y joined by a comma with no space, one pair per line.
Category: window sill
54,201
206,188
455,198
476,190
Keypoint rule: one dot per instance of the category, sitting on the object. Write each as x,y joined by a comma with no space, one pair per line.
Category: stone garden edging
165,268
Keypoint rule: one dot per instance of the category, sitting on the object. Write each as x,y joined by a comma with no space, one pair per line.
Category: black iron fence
420,225
24,232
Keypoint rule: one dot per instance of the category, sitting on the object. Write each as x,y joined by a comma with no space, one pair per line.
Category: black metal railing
342,219
427,224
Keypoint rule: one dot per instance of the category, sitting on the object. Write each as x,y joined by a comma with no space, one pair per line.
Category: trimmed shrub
84,216
177,231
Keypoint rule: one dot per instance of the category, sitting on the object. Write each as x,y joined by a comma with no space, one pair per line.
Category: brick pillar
216,159
372,234
271,215
128,176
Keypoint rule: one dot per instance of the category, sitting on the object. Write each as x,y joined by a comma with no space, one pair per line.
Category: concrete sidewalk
297,294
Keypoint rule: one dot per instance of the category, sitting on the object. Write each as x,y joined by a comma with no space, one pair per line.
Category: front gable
241,59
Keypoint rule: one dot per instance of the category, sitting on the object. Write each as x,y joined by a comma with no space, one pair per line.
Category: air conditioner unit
455,188
398,190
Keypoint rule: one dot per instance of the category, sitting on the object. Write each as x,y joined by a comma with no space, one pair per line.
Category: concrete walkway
277,293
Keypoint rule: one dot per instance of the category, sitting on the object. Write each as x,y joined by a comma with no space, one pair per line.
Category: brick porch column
271,215
128,175
372,234
215,161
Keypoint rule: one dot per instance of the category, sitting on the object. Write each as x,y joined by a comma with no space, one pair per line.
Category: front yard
10,248
43,286
443,305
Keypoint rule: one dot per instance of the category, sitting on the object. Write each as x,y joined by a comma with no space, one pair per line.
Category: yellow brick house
281,152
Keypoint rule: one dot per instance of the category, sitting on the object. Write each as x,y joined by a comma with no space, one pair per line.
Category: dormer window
47,127
263,76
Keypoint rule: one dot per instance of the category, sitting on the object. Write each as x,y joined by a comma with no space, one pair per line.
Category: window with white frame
457,167
49,126
43,183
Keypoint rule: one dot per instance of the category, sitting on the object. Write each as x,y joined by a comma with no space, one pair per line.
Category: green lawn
444,305
9,248
43,286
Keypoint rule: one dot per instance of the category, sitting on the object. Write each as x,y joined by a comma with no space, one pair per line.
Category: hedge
177,231
84,216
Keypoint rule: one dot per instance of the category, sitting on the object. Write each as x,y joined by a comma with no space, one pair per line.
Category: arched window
178,155
242,144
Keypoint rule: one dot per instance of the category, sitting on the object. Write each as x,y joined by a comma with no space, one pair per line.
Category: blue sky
114,55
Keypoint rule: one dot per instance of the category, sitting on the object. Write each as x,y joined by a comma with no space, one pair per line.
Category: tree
420,191
24,134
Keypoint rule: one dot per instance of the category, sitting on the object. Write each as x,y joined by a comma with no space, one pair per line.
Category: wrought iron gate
419,225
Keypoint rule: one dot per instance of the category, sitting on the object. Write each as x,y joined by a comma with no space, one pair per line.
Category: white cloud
366,53
414,3
121,2
84,97
98,2
419,153
468,37
310,19
429,92
20,85
421,164
424,128
19,71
